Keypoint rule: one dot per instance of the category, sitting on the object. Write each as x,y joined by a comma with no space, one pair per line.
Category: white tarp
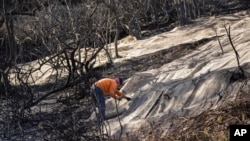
188,85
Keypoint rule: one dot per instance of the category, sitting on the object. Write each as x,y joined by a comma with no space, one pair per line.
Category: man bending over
108,87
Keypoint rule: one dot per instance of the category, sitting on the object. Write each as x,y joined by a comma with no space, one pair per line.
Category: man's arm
122,95
115,93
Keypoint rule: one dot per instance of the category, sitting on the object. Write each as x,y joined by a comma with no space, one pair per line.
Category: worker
108,87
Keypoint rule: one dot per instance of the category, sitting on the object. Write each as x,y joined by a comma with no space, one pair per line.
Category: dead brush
148,131
213,125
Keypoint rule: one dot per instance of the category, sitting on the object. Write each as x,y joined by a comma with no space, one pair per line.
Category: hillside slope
176,79
199,77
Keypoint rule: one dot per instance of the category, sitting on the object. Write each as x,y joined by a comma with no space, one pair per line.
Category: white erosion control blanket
188,85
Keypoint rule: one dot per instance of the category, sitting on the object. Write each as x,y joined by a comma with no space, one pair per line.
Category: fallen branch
14,12
156,102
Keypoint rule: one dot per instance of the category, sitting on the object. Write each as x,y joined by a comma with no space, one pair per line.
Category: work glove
128,98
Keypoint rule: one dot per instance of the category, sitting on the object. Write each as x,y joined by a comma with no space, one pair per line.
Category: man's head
119,81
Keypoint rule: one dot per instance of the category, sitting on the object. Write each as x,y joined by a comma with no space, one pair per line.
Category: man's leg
100,101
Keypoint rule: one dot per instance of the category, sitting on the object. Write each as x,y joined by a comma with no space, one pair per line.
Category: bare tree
69,75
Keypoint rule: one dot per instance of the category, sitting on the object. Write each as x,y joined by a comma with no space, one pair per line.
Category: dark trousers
100,99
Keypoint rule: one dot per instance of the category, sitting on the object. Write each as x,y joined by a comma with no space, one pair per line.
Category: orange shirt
109,87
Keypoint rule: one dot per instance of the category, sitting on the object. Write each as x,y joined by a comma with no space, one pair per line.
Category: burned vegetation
48,53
